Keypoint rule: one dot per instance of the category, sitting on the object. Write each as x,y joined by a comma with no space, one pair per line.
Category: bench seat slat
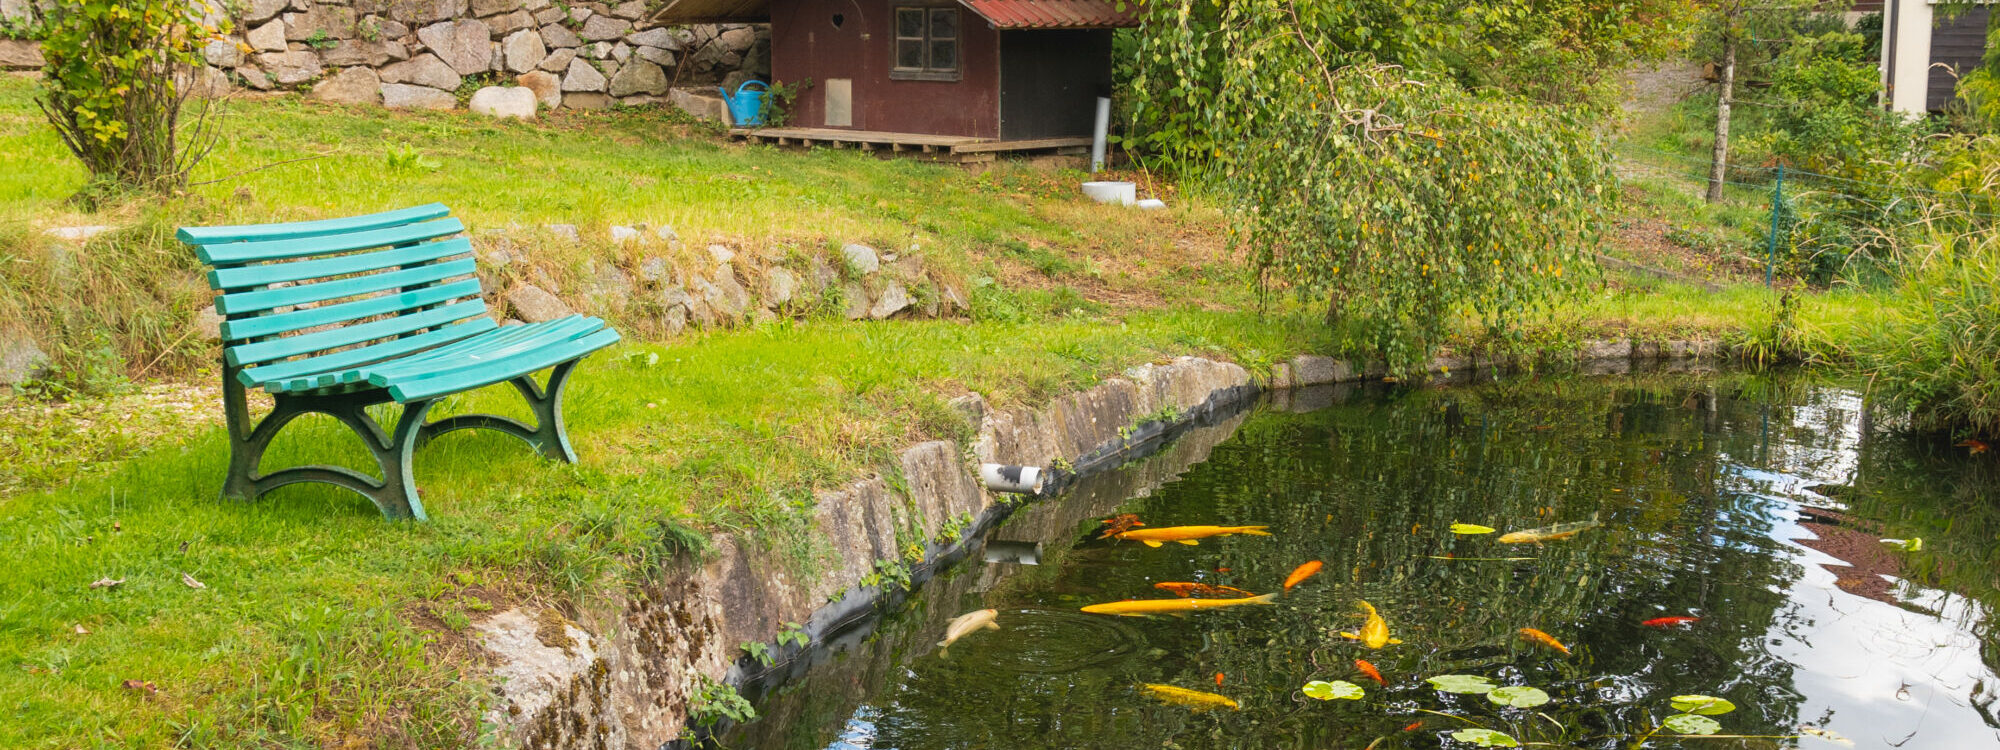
259,300
494,371
271,325
282,249
300,270
348,335
275,376
240,233
358,371
482,347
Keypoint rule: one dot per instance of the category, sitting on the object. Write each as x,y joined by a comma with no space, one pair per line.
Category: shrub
117,76
1939,353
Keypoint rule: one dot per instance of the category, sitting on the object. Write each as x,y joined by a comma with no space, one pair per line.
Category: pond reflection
1753,503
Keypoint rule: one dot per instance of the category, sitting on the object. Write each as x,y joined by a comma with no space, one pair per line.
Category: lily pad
1692,724
1463,684
1518,696
1707,705
1335,690
1485,738
1470,528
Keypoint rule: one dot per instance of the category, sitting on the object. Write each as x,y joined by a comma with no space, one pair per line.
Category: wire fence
1880,207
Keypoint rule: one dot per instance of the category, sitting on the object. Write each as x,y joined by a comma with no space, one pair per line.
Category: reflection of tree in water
1370,488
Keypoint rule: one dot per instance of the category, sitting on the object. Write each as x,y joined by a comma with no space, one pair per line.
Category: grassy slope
319,621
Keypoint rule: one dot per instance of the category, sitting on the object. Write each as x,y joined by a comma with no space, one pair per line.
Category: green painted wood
298,370
292,346
281,323
497,371
240,233
240,303
284,249
445,352
504,343
225,279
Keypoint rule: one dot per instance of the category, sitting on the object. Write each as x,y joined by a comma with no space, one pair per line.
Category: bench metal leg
548,435
395,494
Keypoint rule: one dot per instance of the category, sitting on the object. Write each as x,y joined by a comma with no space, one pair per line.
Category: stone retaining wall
431,54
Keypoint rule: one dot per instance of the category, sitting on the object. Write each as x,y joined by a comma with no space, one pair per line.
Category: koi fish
1973,447
1535,636
1195,699
1139,607
1301,573
964,624
1375,632
1550,533
1185,589
1188,534
1668,622
1370,671
1120,524
1218,679
1414,726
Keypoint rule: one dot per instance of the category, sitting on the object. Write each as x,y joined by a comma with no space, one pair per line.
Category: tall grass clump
1937,352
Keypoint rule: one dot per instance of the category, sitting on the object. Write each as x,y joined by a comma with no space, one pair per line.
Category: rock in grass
856,297
504,101
780,286
534,304
566,231
894,299
20,359
547,87
861,259
350,86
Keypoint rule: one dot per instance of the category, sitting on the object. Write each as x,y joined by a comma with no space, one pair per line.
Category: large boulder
425,11
656,55
605,28
547,87
291,68
583,77
655,37
639,77
484,8
319,21
561,37
558,60
467,46
405,96
861,259
357,85
269,37
259,11
423,70
523,50
221,53
504,101
511,22
375,54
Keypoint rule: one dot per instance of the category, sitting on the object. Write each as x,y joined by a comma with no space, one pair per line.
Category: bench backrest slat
307,301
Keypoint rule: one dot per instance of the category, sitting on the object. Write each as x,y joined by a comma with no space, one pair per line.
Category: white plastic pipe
1024,480
1098,133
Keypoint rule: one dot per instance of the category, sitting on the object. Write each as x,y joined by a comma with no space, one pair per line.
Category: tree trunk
1718,168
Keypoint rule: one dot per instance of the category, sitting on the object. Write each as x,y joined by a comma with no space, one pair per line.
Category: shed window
926,44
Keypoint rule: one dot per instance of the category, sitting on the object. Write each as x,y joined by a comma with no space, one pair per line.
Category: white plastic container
1152,204
1121,193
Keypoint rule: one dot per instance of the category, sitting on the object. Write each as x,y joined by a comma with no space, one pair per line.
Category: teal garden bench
339,315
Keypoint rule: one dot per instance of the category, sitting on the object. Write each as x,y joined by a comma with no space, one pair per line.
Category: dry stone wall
433,54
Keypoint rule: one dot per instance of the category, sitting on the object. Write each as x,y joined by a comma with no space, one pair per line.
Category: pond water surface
1755,503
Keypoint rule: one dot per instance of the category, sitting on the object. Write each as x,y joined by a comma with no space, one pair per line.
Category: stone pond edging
626,674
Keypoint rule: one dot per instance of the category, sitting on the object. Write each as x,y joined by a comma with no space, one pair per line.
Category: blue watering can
746,108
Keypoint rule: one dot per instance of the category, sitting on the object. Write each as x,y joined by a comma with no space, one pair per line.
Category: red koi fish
1414,726
1186,589
1668,622
1973,447
1120,524
1370,671
1218,679
1301,573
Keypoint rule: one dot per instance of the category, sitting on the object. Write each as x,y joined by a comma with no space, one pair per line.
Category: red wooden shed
950,74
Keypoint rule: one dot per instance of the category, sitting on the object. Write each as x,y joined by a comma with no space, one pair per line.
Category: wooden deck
949,148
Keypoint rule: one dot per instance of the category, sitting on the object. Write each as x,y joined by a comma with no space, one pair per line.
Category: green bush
117,76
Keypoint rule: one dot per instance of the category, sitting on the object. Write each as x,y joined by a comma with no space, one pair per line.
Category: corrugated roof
1051,14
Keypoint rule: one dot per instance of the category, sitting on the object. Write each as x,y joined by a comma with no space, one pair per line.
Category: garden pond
1757,503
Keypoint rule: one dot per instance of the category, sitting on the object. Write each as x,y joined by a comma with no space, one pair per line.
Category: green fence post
1771,247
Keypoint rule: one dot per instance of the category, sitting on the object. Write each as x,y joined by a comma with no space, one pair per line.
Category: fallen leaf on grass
191,582
81,631
105,583
142,685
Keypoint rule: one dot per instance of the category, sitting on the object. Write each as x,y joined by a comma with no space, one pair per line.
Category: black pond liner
849,621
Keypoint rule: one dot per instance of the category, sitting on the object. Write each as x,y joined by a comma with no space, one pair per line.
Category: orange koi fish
1218,679
1186,589
1414,726
1668,622
1140,607
1120,524
1301,573
1188,534
1370,670
1973,447
1535,636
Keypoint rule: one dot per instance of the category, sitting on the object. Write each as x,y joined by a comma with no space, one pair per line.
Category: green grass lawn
319,621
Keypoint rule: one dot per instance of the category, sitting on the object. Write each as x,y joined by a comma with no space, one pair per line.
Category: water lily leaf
1518,696
1707,705
1335,690
1825,734
1463,684
1485,738
1470,528
1692,724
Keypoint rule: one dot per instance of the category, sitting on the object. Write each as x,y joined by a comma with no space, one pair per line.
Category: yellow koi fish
1375,632
1188,534
1195,699
964,624
1550,533
1535,636
1139,607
